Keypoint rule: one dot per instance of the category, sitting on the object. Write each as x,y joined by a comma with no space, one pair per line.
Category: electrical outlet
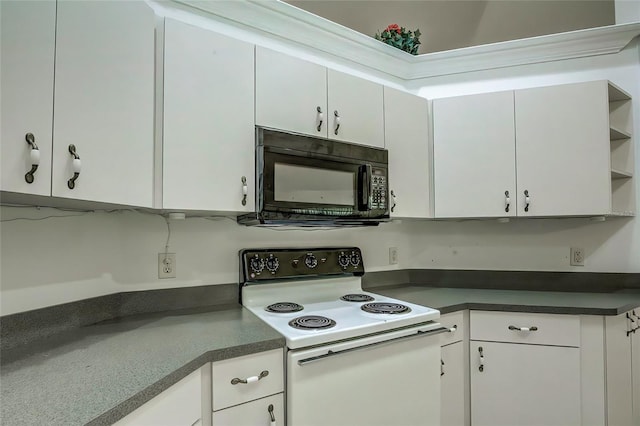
576,256
166,265
393,255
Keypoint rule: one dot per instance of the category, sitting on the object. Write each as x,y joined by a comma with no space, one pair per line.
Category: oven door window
307,185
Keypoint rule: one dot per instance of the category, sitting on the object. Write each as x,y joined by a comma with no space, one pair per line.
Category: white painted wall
56,260
627,11
612,246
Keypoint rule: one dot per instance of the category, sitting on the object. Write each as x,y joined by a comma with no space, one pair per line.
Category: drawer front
544,329
455,323
249,368
254,413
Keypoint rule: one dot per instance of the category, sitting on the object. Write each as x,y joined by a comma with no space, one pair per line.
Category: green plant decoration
400,38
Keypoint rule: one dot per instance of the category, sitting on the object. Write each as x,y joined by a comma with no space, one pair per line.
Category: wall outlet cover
166,265
576,256
393,256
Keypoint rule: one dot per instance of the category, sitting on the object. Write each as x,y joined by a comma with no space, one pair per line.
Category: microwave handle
364,187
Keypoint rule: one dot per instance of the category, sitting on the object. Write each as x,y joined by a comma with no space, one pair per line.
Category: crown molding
276,19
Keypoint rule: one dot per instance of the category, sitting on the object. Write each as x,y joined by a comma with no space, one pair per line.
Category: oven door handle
384,342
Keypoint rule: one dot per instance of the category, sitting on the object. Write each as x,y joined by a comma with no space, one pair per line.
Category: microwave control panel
379,189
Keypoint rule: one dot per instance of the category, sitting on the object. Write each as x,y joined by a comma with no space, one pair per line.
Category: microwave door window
311,185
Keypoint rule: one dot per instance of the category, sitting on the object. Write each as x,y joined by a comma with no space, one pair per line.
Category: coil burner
284,307
312,322
357,298
385,308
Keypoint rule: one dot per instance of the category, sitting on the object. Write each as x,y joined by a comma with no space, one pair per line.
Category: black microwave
309,181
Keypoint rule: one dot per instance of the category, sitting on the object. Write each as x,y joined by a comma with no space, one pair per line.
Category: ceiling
452,24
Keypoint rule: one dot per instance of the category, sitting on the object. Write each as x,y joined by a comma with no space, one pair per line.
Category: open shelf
621,152
617,134
617,94
620,174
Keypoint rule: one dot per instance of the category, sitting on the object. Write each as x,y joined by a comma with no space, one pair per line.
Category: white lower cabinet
249,390
452,378
454,370
514,382
622,363
180,405
267,411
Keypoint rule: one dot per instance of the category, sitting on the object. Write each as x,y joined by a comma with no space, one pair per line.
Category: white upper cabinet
26,83
474,156
302,97
291,94
562,140
208,124
406,134
355,110
104,102
569,147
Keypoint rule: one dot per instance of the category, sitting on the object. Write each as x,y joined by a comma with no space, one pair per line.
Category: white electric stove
341,340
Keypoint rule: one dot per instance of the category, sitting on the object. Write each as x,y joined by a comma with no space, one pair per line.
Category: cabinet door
26,83
474,156
452,405
562,150
209,137
406,135
635,369
525,385
619,372
255,413
355,111
104,101
180,405
290,93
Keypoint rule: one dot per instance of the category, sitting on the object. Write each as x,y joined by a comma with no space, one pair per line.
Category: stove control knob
343,260
311,261
355,259
256,264
272,263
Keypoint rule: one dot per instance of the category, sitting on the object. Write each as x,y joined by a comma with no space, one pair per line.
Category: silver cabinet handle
320,118
632,323
481,366
245,190
357,348
532,328
251,379
507,201
453,329
393,198
34,155
441,368
527,200
272,417
77,166
337,121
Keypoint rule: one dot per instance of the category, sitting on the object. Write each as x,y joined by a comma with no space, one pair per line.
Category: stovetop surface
321,297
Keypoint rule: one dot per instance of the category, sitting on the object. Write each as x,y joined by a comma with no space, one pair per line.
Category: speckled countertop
98,374
454,299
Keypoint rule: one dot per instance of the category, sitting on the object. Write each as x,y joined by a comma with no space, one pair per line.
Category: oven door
387,379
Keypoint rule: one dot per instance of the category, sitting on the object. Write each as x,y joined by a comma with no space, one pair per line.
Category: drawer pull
271,415
251,379
481,366
532,328
453,329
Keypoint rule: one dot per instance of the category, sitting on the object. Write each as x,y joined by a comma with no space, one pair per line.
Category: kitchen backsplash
57,260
